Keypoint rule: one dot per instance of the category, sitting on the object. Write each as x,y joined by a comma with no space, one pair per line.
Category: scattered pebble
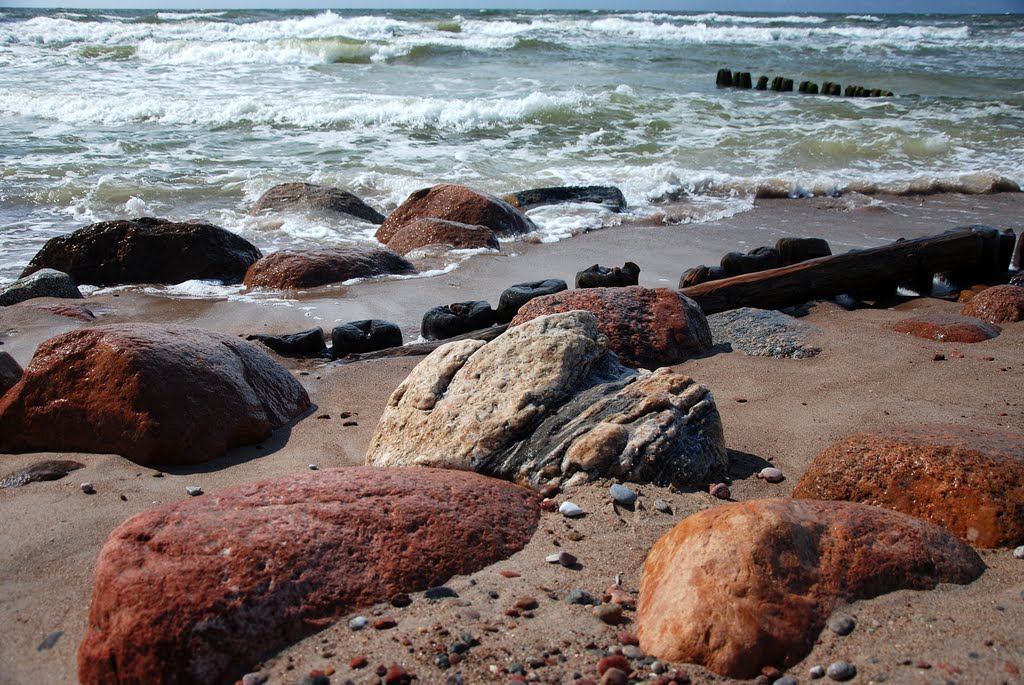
384,623
193,490
570,509
614,676
358,623
841,624
1019,552
841,670
358,661
816,672
88,488
939,357
563,558
613,661
50,641
721,491
609,613
771,474
633,652
549,505
509,574
622,495
439,592
526,603
401,600
548,491
578,596
313,467
662,506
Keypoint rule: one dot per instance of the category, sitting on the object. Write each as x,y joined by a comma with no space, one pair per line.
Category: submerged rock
309,197
428,231
460,204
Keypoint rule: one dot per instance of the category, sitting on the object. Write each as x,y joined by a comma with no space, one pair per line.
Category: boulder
546,402
427,231
10,372
294,269
42,283
763,333
609,197
309,197
795,250
147,250
758,259
301,344
646,327
155,394
598,276
449,320
968,480
997,304
198,591
460,204
947,328
367,335
514,297
739,587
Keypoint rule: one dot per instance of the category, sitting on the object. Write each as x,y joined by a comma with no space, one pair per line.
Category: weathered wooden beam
961,250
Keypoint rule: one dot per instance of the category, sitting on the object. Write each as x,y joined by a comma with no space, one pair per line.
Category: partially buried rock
948,328
763,333
758,259
645,327
199,591
743,586
309,197
42,283
53,469
292,269
365,335
997,304
169,395
450,320
967,480
429,231
147,250
10,372
302,344
598,276
545,402
460,204
514,297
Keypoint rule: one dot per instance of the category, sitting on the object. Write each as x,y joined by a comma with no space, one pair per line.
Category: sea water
119,114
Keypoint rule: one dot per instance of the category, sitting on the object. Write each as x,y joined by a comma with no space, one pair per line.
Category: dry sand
777,411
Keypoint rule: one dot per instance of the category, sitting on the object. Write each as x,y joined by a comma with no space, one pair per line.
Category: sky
796,6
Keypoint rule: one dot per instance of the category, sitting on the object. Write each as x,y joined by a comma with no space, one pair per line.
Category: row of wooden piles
742,79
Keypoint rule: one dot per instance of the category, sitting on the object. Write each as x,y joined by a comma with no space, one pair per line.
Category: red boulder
948,328
198,591
997,304
422,232
291,269
457,203
154,394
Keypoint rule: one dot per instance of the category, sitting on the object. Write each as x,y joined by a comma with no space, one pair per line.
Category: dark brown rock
794,250
153,394
700,274
747,585
997,304
52,469
645,327
309,197
598,276
758,259
10,372
947,328
427,231
969,481
292,269
457,203
147,250
196,592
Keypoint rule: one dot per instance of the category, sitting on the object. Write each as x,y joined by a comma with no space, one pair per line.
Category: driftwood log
976,253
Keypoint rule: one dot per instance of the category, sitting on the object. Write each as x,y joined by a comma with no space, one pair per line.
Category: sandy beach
779,412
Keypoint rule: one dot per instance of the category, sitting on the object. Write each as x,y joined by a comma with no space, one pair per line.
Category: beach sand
777,411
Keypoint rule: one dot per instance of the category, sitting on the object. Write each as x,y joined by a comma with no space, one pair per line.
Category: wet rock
795,250
322,199
366,335
997,304
514,297
170,395
742,586
302,344
544,402
758,259
609,197
450,320
70,311
41,283
948,328
967,480
10,372
598,276
199,590
51,469
459,204
147,250
296,269
763,333
645,327
428,231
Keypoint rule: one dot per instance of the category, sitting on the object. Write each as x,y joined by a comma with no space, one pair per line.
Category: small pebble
785,680
1019,552
549,505
633,652
578,596
548,491
721,491
570,509
563,558
841,624
841,670
384,623
816,672
358,661
88,488
50,641
193,490
401,600
771,474
622,495
313,467
662,506
614,676
358,623
439,592
526,603
614,661
609,613
254,679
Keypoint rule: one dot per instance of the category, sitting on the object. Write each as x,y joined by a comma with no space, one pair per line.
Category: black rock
447,321
609,197
303,344
700,274
796,250
519,294
439,592
758,259
366,335
598,276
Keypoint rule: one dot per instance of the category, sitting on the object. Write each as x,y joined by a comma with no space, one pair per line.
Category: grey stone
42,283
622,495
570,509
193,490
662,506
816,672
763,333
841,670
785,680
358,622
578,596
841,624
1018,553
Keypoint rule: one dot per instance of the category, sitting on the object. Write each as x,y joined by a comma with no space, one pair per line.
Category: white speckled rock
570,509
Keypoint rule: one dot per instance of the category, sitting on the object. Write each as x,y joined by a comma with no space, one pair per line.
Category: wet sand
777,411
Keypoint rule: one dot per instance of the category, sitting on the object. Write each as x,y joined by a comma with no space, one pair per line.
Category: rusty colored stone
457,203
291,269
741,586
997,304
427,231
310,197
198,591
948,328
155,394
645,327
969,481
